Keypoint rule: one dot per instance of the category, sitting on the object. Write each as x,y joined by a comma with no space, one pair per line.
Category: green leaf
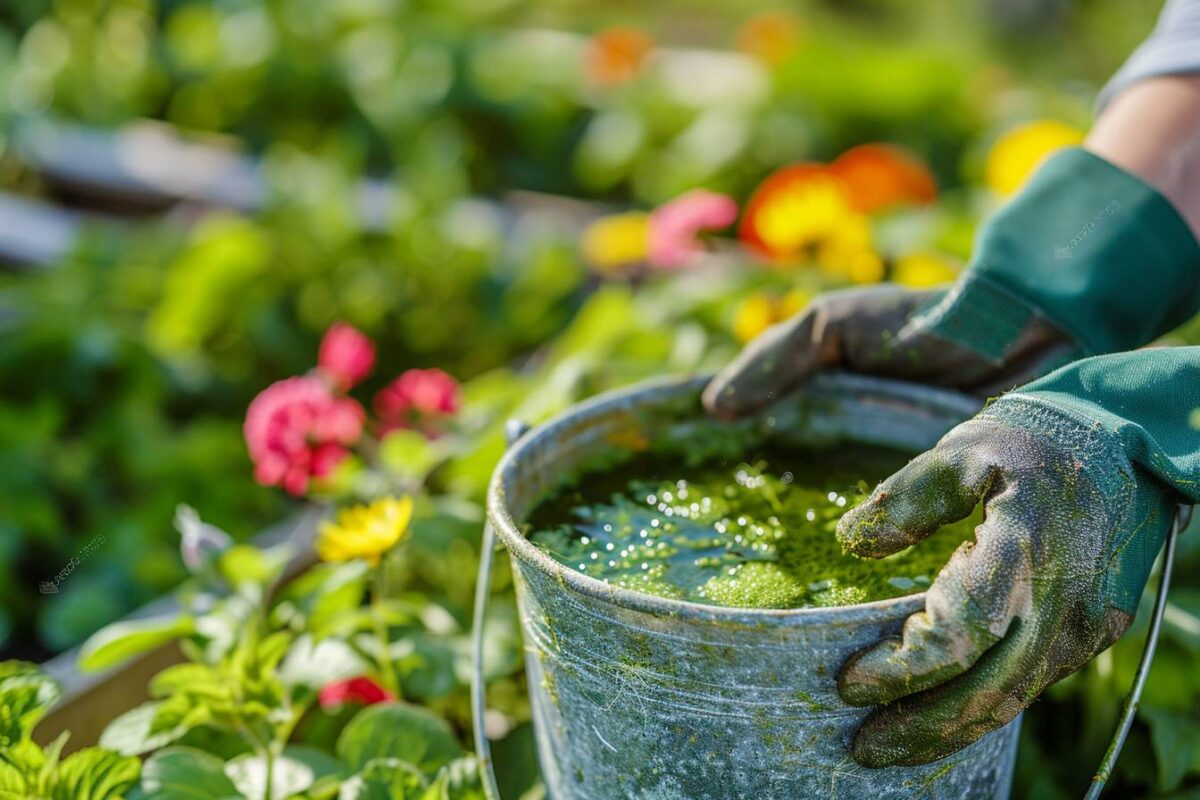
12,783
314,665
397,730
325,592
183,773
197,680
146,728
294,770
384,779
245,564
94,774
122,641
1176,742
26,694
426,665
409,454
27,757
458,780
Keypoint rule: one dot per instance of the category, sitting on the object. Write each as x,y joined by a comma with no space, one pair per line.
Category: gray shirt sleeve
1173,48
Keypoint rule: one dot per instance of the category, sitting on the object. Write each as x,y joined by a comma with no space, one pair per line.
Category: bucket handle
1182,518
514,429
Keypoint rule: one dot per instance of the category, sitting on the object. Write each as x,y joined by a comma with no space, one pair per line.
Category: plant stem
386,668
269,758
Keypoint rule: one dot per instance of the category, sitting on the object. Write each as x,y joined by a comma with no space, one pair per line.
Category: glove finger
968,609
927,726
934,489
934,724
855,328
771,365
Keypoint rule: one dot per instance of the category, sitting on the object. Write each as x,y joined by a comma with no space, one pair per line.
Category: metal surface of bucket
642,697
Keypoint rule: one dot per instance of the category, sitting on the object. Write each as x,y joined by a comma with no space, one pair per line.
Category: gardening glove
1086,260
1079,474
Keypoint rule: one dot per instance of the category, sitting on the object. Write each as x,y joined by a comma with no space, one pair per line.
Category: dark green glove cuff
1149,400
1096,252
1132,424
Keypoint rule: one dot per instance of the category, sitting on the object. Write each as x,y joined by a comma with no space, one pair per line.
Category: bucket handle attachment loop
514,429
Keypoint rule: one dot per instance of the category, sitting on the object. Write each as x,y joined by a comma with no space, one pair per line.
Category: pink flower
419,398
361,690
346,355
297,429
675,225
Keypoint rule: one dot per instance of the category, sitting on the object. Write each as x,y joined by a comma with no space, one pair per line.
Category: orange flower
771,37
760,311
805,211
615,55
881,176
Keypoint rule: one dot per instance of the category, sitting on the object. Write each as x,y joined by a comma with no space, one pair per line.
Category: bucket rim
499,516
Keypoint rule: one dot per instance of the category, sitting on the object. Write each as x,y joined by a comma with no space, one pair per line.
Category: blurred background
191,193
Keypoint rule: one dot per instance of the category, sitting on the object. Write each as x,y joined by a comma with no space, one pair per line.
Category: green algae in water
757,534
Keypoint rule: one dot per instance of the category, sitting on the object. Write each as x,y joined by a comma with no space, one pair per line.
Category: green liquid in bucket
756,534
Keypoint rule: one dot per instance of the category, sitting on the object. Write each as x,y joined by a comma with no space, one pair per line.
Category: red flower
297,429
419,398
361,690
675,226
346,355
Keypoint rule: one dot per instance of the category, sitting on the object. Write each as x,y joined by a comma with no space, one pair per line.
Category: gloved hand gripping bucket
636,696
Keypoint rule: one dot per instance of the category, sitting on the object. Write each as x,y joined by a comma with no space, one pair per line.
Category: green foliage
408,733
124,640
177,772
30,772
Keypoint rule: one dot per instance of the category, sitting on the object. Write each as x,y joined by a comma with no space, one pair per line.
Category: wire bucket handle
514,429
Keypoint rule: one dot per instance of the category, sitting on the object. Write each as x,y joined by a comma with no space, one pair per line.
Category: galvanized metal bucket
642,697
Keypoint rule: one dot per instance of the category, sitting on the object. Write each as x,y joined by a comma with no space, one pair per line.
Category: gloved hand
1079,474
1086,260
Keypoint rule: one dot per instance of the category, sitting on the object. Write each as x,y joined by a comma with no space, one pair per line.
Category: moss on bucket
754,533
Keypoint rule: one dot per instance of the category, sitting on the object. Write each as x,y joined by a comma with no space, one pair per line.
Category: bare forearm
1152,129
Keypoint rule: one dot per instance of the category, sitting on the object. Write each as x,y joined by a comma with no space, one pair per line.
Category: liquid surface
758,534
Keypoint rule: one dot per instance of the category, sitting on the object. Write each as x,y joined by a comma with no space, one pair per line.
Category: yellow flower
923,269
804,211
760,311
365,531
615,242
804,214
1019,152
